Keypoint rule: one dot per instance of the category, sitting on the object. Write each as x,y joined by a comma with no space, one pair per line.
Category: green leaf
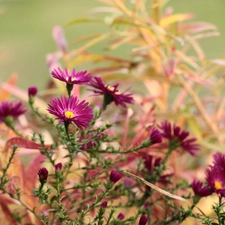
84,20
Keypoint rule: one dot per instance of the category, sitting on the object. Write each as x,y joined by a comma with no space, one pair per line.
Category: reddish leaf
21,142
7,211
30,175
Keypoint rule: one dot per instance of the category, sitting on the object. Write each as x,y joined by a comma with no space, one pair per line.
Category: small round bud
143,220
115,176
120,216
32,91
43,175
104,204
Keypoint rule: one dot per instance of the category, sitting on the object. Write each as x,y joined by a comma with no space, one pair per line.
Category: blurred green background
26,32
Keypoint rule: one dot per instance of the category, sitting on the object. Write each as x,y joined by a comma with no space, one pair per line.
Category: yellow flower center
73,78
218,185
69,114
110,88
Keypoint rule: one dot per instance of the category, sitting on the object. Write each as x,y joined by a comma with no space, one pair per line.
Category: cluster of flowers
70,111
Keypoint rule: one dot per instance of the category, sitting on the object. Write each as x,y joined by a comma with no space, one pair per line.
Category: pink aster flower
71,111
81,77
11,109
216,180
111,93
155,136
219,160
215,174
179,138
200,190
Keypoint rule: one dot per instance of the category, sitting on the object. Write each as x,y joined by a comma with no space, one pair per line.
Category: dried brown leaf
155,187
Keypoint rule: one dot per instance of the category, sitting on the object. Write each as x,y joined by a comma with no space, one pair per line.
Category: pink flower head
13,109
179,138
115,176
71,110
32,91
43,175
81,77
215,174
111,93
219,160
216,180
200,190
155,136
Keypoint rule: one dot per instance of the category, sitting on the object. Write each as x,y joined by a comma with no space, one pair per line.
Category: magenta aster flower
111,93
81,77
219,160
155,136
179,138
215,179
200,190
11,109
215,174
71,111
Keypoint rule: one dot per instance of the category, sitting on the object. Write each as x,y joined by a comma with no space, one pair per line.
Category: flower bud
120,216
104,204
115,176
143,220
58,166
32,91
43,175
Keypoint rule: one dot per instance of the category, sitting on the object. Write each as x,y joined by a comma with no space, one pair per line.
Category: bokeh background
26,32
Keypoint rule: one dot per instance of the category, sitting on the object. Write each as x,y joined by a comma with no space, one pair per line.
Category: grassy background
26,32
